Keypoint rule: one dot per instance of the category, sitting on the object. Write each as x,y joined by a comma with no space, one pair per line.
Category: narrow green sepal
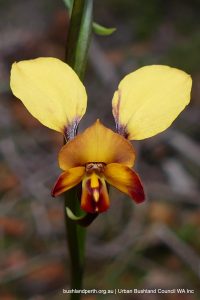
97,28
84,220
68,4
102,30
72,216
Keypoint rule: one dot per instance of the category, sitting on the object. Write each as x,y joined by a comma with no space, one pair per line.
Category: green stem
76,56
79,36
76,244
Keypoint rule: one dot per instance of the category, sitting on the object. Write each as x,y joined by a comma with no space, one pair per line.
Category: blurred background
153,245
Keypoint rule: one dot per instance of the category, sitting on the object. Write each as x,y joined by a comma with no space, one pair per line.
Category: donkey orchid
146,102
93,157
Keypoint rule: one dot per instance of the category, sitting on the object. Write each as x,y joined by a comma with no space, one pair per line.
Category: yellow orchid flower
93,157
147,102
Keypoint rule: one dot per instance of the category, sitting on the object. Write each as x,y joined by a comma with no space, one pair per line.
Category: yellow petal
50,90
68,180
149,100
96,144
125,180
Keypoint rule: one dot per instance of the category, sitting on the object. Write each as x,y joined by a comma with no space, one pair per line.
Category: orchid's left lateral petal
125,180
51,91
96,144
89,202
68,180
149,99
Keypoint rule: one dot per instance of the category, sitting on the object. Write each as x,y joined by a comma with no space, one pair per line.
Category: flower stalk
79,36
76,56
